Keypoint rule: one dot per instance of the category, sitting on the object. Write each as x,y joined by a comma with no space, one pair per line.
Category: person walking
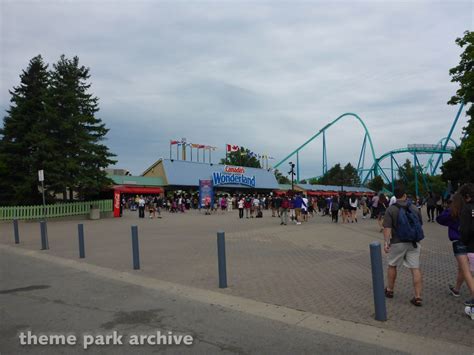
141,207
240,205
247,206
335,209
466,228
430,206
297,204
382,207
285,205
451,219
353,204
402,235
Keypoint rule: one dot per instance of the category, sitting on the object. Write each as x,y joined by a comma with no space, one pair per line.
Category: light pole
41,179
292,172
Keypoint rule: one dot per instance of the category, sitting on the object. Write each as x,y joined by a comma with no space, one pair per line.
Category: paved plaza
317,267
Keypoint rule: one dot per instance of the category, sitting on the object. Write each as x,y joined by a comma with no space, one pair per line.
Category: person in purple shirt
450,219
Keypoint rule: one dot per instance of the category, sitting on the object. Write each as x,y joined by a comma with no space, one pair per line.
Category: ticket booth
136,190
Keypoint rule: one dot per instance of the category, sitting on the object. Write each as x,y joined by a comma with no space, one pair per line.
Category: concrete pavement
318,267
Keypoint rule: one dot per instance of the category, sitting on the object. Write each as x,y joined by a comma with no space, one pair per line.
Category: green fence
56,210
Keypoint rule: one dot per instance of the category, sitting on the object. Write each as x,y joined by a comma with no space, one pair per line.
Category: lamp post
292,172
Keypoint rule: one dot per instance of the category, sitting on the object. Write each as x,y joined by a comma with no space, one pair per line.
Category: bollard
82,251
15,231
377,281
135,251
221,259
44,236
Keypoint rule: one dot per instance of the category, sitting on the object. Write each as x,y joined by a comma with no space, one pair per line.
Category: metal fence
56,210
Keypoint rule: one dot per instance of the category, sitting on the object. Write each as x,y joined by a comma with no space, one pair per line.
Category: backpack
467,224
285,203
408,225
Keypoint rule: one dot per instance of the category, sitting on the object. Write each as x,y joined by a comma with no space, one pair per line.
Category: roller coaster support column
325,157
391,169
448,137
416,173
297,166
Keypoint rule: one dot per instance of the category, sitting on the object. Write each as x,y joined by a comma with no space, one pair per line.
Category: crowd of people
398,217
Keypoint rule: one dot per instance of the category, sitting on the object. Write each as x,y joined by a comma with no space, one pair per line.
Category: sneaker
453,291
469,312
469,303
298,222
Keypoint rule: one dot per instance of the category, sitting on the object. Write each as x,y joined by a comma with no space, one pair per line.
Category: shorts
404,254
459,248
381,212
353,208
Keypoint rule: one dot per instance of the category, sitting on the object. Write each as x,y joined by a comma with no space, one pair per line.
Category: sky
266,75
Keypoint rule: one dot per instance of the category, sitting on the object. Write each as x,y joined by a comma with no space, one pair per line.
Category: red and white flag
232,148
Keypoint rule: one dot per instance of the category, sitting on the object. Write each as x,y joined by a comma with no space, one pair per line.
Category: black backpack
467,223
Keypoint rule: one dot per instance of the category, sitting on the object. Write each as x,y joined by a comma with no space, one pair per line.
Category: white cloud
264,75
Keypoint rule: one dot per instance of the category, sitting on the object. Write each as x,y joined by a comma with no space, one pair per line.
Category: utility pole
292,172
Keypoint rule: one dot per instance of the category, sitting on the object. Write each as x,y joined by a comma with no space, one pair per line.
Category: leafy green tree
24,147
461,170
78,135
241,158
340,176
281,178
376,184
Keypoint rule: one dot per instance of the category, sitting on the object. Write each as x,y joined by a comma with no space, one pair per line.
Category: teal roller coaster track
437,152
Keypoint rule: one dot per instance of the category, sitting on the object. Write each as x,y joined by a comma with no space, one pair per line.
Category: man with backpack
402,234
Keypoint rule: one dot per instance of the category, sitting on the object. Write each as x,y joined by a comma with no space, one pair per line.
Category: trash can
94,212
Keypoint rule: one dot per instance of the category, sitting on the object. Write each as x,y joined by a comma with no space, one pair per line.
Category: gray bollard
15,231
82,251
221,259
135,250
44,236
377,281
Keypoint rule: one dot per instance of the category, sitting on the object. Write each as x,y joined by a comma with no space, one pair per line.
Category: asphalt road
46,298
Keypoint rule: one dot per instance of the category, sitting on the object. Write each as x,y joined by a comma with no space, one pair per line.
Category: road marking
350,330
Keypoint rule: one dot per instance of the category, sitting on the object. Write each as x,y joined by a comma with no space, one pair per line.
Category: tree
426,183
461,170
24,148
242,157
51,125
376,184
281,178
338,176
80,156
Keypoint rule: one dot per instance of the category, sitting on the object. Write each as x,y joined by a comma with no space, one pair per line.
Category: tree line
51,125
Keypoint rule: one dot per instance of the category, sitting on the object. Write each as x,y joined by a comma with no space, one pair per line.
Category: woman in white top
240,205
353,202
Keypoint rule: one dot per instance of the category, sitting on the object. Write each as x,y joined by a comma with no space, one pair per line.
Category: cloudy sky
265,75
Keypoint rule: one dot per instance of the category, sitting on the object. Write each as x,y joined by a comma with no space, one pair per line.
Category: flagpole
210,158
177,151
226,153
170,150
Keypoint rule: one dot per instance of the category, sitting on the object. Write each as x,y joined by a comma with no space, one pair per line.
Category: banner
206,193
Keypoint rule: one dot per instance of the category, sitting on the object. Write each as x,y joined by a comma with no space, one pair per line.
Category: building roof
309,187
136,180
187,173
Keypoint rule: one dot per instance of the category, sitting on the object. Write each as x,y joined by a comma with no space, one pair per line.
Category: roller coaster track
437,152
367,138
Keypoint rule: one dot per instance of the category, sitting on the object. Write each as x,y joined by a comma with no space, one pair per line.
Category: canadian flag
232,148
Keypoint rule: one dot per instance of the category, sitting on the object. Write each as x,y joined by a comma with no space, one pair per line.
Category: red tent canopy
138,189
